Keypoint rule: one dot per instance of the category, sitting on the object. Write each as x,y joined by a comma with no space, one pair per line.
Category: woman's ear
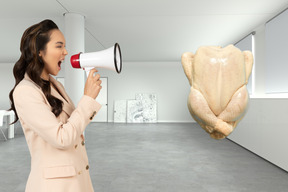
40,53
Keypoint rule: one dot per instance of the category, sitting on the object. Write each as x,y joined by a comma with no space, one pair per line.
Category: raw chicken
218,78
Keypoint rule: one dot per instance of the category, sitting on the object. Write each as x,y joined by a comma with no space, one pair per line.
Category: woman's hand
93,84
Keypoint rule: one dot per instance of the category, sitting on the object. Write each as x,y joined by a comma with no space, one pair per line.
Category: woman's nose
65,51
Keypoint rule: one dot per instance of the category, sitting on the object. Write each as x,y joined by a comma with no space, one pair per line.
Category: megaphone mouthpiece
75,60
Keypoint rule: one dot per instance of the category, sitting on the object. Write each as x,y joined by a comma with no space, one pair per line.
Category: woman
52,126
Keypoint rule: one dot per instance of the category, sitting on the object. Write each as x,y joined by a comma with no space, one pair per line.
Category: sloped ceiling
150,30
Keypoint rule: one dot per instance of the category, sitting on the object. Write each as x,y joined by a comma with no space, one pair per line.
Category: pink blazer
59,161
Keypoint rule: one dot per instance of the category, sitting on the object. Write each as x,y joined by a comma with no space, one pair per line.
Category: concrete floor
170,157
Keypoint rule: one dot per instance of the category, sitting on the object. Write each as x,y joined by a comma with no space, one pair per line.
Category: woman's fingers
92,71
93,84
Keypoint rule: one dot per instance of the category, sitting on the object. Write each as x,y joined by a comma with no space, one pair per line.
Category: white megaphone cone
109,58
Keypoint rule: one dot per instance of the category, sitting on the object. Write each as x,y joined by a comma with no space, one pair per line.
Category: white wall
165,79
264,130
6,83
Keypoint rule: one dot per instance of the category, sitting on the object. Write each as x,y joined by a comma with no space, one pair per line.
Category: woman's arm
35,114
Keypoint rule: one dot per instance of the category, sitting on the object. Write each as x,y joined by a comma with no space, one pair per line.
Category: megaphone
109,58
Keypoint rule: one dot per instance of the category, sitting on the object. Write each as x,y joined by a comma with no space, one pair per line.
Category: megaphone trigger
87,70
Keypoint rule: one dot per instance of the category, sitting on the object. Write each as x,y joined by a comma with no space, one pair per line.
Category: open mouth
59,63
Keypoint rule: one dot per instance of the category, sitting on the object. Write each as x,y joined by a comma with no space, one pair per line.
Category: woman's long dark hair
34,40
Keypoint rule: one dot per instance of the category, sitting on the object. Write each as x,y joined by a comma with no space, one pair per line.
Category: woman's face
54,54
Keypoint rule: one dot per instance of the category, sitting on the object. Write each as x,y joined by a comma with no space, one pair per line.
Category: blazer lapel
68,105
